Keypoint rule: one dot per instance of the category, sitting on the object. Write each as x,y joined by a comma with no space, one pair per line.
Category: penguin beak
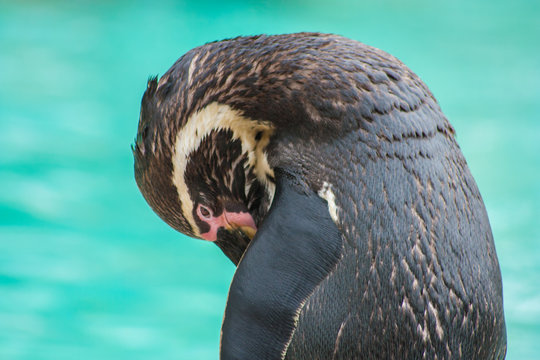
233,218
242,221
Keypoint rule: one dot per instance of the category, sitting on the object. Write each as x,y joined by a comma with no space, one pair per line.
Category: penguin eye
204,212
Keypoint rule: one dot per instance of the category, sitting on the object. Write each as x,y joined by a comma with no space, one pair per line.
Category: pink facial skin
227,220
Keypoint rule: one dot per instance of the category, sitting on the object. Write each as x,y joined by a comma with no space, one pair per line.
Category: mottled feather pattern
417,276
422,258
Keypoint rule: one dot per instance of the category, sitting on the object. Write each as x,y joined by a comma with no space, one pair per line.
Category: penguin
326,171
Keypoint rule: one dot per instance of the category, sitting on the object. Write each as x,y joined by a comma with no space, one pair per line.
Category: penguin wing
296,247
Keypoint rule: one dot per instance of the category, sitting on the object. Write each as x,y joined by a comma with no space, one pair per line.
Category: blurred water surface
88,271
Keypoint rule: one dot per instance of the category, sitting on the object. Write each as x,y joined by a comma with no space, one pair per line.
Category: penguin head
217,123
203,171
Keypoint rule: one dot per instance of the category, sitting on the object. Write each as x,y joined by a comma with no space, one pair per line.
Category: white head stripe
217,117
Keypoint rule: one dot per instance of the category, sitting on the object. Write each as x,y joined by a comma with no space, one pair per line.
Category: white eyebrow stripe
217,117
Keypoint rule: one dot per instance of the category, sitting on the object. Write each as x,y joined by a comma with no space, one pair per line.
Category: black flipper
295,248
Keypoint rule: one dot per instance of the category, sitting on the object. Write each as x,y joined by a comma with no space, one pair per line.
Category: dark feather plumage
417,275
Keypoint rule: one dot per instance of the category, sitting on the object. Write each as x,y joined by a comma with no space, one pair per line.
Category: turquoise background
87,271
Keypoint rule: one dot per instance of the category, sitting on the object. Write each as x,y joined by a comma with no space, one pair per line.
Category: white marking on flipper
327,194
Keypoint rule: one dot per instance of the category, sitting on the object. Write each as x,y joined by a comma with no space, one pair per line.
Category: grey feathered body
417,276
